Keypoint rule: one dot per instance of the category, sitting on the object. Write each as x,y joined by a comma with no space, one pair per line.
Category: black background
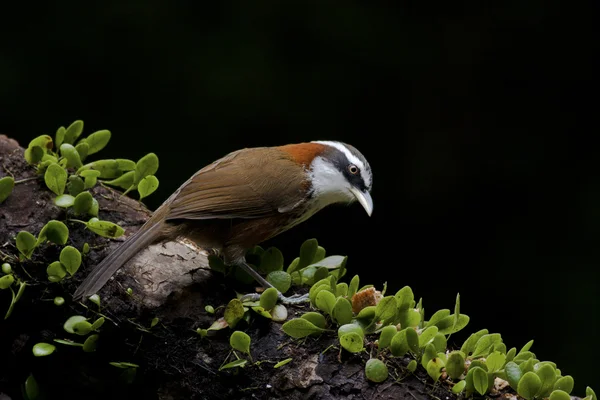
474,119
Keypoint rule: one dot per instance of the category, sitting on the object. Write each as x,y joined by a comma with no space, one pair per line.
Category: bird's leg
295,299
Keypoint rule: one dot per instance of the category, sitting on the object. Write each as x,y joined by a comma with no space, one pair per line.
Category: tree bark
171,282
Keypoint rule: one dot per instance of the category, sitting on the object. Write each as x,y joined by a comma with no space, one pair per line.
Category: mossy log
171,282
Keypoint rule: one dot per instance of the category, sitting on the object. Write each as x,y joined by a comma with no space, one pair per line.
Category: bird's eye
353,169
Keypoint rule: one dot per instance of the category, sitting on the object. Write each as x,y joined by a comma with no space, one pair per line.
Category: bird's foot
293,299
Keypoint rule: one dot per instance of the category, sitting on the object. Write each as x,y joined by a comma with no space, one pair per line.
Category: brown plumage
231,205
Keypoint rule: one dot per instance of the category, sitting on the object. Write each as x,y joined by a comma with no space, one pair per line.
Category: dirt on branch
170,282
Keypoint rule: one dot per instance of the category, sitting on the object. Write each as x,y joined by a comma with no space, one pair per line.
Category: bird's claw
293,299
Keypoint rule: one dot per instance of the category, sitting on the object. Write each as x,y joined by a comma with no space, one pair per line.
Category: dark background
473,120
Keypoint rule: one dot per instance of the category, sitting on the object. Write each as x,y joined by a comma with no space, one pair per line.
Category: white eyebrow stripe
351,157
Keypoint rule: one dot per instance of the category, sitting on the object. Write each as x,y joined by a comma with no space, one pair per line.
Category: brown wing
248,183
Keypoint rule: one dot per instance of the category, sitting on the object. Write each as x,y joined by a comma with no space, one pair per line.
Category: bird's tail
149,233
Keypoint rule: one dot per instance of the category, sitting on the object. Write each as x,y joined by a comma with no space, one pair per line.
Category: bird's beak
365,200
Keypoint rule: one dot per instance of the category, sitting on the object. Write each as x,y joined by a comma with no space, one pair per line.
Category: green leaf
124,181
123,364
405,298
469,345
269,298
547,375
412,366
342,311
319,255
413,340
437,316
590,392
57,270
83,203
91,178
6,281
300,327
510,355
125,165
459,387
376,370
325,301
271,260
6,187
68,326
352,342
559,395
485,343
108,169
70,153
495,361
55,232
32,390
26,243
480,380
282,363
527,347
450,324
34,154
386,336
73,132
147,165
280,280
234,364
428,354
97,141
75,185
105,228
440,342
341,289
147,186
524,356
82,328
43,349
350,328
97,324
240,341
60,136
93,211
399,345
434,368
566,384
455,365
386,309
315,318
353,287
308,250
427,336
90,343
234,312
56,178
70,258
529,385
83,150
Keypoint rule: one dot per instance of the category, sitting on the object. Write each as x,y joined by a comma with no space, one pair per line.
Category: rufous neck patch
304,153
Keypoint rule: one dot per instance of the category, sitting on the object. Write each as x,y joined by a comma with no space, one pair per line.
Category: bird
245,198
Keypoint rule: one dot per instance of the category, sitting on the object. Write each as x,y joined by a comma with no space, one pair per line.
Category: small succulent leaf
26,243
147,186
590,392
83,150
386,336
282,363
404,298
559,395
68,325
241,363
440,342
451,324
75,185
124,181
218,325
98,323
469,345
234,312
399,344
331,262
341,289
342,311
527,347
70,258
413,340
500,347
125,164
32,390
352,342
350,328
268,298
43,349
524,356
56,179
105,228
308,250
510,355
429,353
109,169
97,141
459,387
427,336
386,308
565,383
147,165
240,341
55,232
412,366
376,371
529,385
437,316
59,137
315,318
82,328
6,281
72,156
547,375
271,260
73,132
485,343
325,301
353,287
528,365
90,343
319,254
434,368
495,361
34,155
83,203
281,280
480,380
56,269
6,187
455,365
300,327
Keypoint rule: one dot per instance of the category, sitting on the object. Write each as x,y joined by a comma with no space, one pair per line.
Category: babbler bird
245,198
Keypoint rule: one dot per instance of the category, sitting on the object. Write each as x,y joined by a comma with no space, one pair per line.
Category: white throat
329,185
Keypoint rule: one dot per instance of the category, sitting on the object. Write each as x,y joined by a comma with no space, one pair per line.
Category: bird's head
339,173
